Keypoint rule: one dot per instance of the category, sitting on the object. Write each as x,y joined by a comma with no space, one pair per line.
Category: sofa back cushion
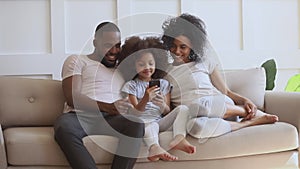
250,83
30,102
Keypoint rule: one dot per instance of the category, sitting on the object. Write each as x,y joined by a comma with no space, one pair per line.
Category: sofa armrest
286,105
3,160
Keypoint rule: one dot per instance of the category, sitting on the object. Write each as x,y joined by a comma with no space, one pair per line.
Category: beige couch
28,108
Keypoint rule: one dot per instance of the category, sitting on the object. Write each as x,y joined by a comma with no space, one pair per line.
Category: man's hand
122,106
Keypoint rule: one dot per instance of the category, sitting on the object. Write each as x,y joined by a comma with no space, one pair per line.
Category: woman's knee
181,108
195,127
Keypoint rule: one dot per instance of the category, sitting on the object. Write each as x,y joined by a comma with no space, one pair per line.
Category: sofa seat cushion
36,145
32,146
253,140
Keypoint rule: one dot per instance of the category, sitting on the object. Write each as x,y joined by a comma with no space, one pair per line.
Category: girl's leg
178,117
156,152
179,141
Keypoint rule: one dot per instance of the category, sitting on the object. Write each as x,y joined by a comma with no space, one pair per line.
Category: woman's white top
191,81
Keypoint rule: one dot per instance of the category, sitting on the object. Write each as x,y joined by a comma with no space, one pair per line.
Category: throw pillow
250,83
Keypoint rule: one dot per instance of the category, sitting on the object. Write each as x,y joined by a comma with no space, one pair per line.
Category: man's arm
72,91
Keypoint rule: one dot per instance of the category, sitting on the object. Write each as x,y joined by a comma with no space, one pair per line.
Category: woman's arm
220,84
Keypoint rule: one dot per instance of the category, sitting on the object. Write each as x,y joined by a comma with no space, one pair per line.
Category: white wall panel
37,35
143,24
222,19
25,27
271,25
81,19
169,7
145,17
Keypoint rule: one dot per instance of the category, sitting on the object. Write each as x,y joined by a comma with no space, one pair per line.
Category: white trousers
176,120
206,116
203,118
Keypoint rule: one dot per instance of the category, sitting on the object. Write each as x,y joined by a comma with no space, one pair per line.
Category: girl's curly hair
189,26
134,47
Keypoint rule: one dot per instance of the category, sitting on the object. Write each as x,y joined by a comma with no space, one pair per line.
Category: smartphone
154,82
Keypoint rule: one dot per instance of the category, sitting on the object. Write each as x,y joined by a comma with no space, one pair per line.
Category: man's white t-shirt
98,82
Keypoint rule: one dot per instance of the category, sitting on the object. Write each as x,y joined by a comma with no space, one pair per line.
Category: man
91,86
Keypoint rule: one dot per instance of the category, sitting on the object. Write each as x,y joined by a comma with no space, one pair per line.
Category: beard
108,64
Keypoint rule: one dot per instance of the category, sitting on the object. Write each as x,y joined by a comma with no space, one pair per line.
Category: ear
94,42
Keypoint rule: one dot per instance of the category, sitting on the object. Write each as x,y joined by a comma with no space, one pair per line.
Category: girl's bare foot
156,153
180,143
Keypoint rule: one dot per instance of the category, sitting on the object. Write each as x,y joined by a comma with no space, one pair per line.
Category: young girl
147,62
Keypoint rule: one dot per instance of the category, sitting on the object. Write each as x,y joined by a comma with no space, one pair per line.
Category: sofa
29,107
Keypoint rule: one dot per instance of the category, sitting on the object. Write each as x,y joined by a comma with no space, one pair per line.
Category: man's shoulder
72,65
74,57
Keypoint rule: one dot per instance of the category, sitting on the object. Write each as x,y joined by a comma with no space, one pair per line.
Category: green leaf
271,70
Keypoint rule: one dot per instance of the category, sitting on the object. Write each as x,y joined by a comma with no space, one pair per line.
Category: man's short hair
105,27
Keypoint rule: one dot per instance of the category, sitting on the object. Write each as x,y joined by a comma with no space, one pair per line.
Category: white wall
37,35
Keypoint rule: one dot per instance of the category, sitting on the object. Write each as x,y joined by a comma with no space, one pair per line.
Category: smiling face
181,49
107,46
145,66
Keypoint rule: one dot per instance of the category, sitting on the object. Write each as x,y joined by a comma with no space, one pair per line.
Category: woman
197,82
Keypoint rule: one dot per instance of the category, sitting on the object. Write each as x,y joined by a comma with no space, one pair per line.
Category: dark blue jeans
71,127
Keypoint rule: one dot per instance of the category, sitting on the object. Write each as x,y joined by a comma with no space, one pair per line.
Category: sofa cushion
36,145
30,102
32,146
250,83
248,141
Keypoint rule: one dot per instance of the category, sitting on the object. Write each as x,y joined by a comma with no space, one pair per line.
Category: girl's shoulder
164,81
130,82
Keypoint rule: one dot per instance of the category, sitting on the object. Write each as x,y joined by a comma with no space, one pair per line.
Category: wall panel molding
37,35
25,27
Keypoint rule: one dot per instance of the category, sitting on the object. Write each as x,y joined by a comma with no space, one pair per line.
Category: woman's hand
251,109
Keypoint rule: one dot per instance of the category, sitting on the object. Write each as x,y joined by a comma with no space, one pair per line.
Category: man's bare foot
180,143
265,119
156,153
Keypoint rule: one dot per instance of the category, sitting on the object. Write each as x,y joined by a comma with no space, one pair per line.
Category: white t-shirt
191,81
98,82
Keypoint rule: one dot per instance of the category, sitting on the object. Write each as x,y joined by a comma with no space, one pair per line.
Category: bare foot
257,120
180,143
265,119
156,153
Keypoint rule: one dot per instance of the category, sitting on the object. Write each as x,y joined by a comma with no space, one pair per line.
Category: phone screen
154,82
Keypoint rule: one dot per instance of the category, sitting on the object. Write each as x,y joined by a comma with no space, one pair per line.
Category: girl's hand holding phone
151,92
